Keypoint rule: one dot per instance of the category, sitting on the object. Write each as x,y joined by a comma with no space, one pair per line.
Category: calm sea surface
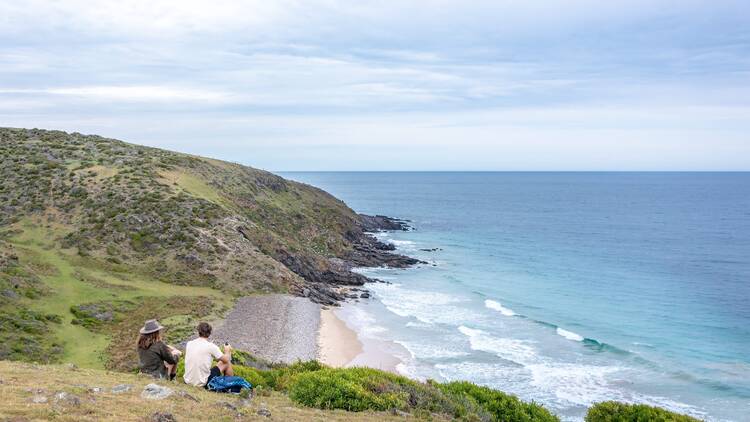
568,288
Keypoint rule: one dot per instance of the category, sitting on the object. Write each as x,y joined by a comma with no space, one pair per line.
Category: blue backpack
224,384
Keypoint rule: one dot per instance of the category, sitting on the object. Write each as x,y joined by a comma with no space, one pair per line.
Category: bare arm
227,356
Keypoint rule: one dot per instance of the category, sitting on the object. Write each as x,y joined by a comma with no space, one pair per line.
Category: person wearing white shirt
199,356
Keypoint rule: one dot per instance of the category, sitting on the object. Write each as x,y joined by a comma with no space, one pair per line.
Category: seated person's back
199,355
156,358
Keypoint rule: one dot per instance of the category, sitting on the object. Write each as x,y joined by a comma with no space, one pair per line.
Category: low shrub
353,389
281,378
612,411
312,384
501,406
27,335
252,375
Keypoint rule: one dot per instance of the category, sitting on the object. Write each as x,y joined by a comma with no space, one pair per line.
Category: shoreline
338,344
342,344
285,329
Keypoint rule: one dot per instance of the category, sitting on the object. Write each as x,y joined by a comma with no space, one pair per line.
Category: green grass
193,185
80,345
84,346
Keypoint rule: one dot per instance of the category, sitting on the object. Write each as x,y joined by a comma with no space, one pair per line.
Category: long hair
146,340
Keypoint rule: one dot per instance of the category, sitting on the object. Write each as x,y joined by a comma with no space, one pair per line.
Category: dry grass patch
20,383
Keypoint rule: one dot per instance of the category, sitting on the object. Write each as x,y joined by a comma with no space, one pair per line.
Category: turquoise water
568,288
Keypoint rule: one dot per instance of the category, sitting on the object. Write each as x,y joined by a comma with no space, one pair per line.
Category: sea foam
513,350
427,307
496,306
569,334
427,351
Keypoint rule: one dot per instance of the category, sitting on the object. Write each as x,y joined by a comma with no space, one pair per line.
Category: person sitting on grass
156,358
199,355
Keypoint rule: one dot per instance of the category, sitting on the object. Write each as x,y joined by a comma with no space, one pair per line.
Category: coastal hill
94,229
98,235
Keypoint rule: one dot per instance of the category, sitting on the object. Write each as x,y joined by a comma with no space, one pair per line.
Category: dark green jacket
153,358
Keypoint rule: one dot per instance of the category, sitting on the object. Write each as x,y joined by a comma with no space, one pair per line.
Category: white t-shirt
199,355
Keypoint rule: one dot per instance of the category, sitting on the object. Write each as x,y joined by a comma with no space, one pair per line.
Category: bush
501,406
358,389
612,411
252,375
280,379
353,389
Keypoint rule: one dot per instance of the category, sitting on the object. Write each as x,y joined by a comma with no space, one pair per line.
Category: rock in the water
121,388
264,412
375,223
156,392
163,417
364,295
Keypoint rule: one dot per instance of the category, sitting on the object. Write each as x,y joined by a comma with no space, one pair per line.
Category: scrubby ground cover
97,235
32,393
621,412
311,384
59,306
92,229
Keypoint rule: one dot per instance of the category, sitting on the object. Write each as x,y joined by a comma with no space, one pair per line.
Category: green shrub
181,368
27,336
281,378
252,375
353,389
501,406
612,411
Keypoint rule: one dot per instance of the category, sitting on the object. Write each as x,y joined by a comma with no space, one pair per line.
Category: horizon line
505,171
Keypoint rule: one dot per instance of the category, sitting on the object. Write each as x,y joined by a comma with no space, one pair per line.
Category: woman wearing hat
156,358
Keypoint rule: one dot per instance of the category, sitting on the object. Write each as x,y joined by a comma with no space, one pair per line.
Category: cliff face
185,219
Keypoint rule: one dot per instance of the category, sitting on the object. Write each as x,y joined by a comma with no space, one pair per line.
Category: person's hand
228,348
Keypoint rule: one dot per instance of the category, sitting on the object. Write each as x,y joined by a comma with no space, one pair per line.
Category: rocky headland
97,233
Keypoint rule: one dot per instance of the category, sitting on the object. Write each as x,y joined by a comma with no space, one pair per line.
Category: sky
328,85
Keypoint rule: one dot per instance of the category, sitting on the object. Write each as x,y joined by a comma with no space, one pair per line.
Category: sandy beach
341,346
338,344
283,328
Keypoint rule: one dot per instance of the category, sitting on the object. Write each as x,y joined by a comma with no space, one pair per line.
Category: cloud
128,93
325,75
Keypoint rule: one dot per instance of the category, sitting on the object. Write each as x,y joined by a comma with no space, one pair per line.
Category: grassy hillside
97,235
180,218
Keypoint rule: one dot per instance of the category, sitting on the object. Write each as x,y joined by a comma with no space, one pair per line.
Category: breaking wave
496,306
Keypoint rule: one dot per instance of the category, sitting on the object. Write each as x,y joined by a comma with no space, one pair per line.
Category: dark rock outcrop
325,277
374,223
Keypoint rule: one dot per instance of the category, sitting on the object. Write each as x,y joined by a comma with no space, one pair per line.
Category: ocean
566,288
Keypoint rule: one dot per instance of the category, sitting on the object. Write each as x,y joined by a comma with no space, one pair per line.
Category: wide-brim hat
151,326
